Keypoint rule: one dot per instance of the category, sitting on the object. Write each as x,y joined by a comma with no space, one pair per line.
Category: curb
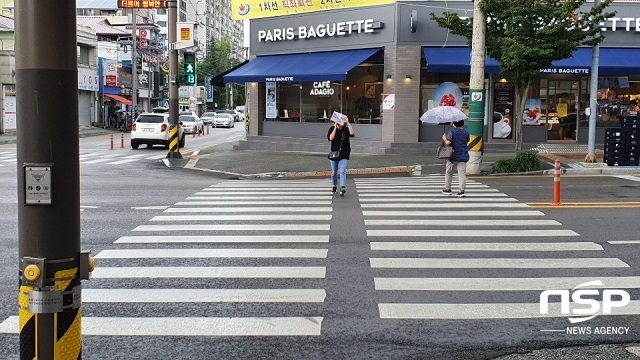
397,170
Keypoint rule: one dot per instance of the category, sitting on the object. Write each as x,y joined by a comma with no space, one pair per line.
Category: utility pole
476,91
174,151
51,264
593,101
134,63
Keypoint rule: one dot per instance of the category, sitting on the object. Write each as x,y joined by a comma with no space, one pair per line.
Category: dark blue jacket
459,138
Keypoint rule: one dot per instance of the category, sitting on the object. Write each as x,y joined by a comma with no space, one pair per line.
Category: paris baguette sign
341,28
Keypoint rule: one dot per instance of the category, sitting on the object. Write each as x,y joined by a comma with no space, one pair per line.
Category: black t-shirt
345,151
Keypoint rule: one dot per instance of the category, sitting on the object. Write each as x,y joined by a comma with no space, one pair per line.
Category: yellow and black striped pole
174,140
51,263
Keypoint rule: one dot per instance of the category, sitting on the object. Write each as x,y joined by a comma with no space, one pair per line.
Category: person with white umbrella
458,138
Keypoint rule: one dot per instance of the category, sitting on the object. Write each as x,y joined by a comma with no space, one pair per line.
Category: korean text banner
255,9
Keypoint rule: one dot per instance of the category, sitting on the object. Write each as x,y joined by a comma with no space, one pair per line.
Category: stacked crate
631,130
614,147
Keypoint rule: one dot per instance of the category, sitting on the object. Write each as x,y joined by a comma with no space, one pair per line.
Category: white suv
153,129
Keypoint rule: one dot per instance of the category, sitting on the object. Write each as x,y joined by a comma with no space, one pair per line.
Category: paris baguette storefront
383,66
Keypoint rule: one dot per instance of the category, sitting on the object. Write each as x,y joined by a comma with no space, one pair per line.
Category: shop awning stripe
119,98
319,66
613,61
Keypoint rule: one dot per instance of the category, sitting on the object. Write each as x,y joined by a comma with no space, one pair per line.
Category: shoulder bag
336,155
445,151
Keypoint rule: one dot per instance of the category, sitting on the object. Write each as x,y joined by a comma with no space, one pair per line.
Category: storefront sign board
256,9
388,101
9,107
341,28
503,97
271,108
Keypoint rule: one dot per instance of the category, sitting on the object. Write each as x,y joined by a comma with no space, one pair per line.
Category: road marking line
190,326
439,199
628,177
240,217
265,189
212,253
191,163
435,194
484,311
624,242
254,202
203,295
470,222
238,227
170,239
449,205
250,209
499,284
420,191
156,157
459,213
239,194
221,198
158,207
367,187
484,246
471,233
200,272
495,263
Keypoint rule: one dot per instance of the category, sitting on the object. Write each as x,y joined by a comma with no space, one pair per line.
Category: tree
219,59
526,36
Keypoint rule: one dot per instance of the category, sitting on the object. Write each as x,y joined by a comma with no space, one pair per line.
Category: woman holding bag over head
457,138
339,135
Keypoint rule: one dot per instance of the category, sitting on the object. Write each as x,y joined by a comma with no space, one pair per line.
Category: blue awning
613,61
455,60
320,66
619,61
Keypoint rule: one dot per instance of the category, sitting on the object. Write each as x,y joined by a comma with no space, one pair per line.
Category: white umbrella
442,115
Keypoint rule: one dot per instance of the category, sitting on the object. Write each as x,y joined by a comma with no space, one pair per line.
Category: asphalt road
342,249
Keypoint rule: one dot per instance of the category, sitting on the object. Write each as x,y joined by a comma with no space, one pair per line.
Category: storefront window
617,97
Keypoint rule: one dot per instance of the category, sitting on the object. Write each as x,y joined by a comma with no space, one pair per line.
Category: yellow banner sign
255,9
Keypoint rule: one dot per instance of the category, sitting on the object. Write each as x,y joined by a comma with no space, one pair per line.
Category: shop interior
359,96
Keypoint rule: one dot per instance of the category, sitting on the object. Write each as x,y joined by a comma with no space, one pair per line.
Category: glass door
563,103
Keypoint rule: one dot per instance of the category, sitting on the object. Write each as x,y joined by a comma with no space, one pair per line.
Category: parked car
224,119
191,124
207,118
235,115
153,129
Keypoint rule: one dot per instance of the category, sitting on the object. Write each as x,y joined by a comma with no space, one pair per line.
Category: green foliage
526,36
523,162
219,59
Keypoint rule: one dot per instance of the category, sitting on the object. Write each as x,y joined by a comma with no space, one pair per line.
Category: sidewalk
225,161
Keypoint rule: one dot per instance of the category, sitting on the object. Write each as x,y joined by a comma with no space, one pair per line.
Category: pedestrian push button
32,272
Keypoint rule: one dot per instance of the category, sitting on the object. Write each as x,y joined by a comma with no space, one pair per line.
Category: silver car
191,124
224,119
207,118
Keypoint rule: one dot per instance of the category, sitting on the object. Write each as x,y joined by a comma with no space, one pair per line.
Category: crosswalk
413,229
202,260
88,157
249,259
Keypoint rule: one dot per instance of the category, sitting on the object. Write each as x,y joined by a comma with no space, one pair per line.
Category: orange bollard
111,141
556,184
122,141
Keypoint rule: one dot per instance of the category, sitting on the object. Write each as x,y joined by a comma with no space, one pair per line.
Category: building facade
385,65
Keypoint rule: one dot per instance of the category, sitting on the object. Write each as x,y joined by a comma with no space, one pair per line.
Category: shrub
522,162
